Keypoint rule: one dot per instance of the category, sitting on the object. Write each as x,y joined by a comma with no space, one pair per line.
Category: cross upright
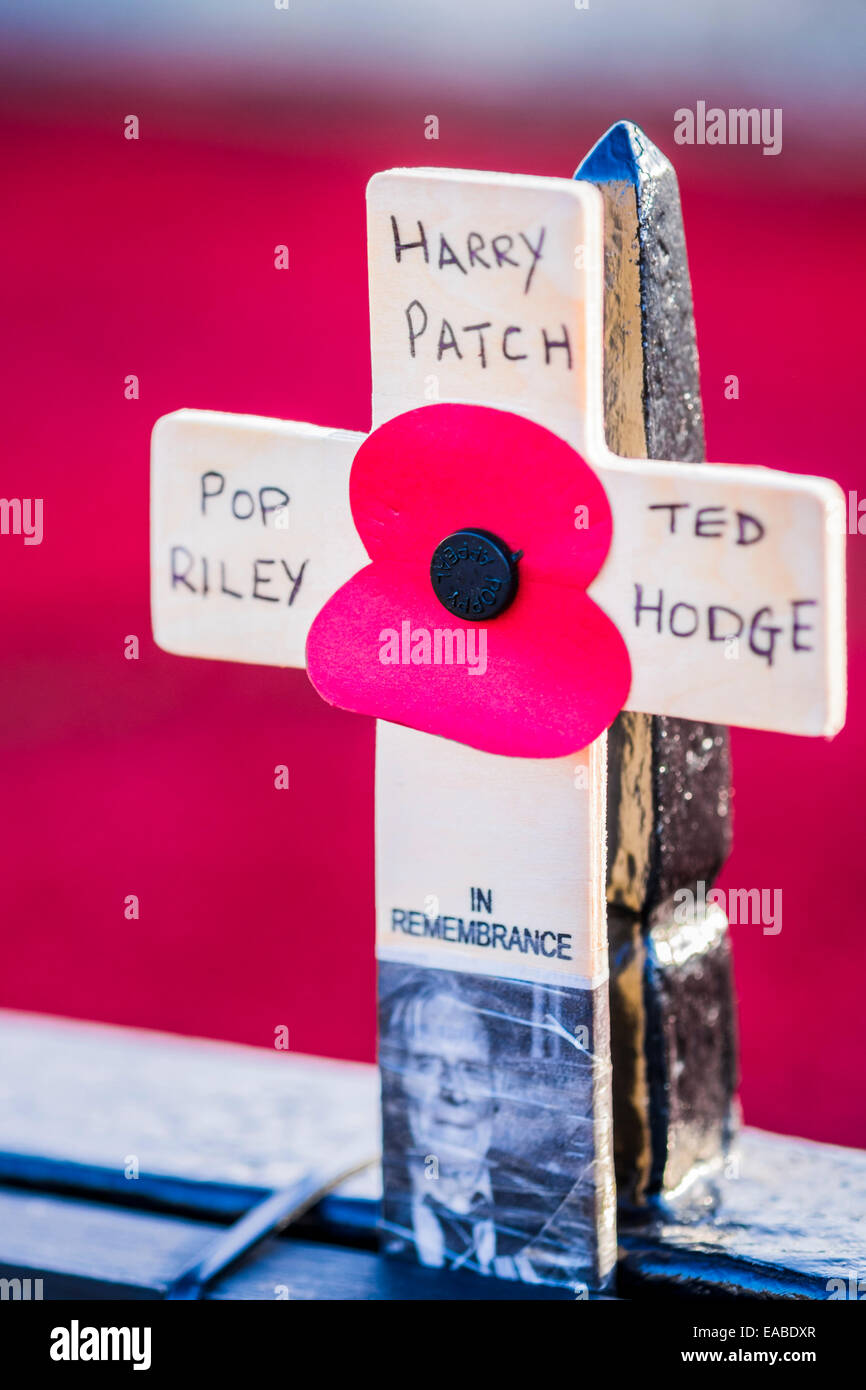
493,585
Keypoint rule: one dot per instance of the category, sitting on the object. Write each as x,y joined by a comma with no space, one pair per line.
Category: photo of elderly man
464,1085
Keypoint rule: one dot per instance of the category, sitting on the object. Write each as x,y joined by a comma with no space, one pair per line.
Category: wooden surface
781,597
196,1125
790,1215
557,294
250,533
302,1271
450,819
543,864
85,1249
791,1218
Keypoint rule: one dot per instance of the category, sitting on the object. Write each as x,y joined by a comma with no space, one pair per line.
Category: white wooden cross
726,583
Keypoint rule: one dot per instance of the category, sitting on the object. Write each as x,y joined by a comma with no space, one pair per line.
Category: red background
155,777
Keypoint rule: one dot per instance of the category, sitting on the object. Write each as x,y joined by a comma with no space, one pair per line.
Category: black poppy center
474,574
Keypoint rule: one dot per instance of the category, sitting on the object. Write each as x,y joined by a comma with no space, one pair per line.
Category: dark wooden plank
790,1218
209,1127
300,1270
87,1250
90,1250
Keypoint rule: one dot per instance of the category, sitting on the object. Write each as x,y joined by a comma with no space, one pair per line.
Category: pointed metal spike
639,184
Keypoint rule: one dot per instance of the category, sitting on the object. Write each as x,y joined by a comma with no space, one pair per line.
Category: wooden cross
726,585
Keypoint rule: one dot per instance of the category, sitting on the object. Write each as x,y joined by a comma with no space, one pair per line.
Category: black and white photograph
487,1116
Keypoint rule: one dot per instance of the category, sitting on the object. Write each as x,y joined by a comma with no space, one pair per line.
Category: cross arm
250,533
727,584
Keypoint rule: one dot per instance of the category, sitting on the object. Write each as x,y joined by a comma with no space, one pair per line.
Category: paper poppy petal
432,471
557,670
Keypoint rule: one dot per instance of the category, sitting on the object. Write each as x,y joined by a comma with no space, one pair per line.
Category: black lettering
474,257
641,607
295,582
550,344
413,334
182,578
563,945
542,938
232,593
498,935
742,519
447,346
278,506
242,516
502,257
398,918
512,356
204,492
692,630
263,579
479,329
401,246
536,256
703,521
452,259
772,633
801,627
672,507
711,620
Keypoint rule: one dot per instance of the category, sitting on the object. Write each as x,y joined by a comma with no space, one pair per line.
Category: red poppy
540,680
